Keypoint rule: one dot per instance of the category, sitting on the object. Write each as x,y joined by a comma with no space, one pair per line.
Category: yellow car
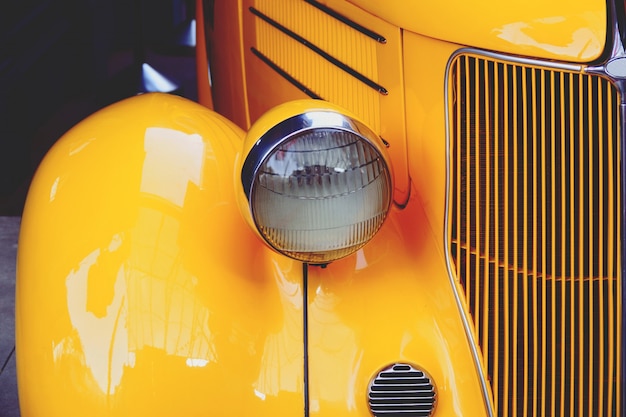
375,208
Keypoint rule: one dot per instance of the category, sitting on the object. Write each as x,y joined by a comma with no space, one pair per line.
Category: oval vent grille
401,390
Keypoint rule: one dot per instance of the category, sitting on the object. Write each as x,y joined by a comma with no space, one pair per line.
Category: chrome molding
517,60
402,388
287,129
457,296
613,69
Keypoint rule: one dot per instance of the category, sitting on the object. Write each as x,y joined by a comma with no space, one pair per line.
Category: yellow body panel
379,62
222,27
141,288
142,291
390,302
557,29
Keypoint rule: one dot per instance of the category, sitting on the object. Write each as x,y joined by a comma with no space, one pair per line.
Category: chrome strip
519,60
286,129
618,51
464,317
466,320
305,336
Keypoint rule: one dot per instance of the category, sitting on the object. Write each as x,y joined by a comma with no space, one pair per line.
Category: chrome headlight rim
305,124
296,125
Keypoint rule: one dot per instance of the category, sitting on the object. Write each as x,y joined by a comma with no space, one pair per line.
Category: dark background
61,60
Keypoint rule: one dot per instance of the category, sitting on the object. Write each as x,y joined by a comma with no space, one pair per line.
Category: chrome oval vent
401,390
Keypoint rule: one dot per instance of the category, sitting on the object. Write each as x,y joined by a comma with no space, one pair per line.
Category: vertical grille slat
535,232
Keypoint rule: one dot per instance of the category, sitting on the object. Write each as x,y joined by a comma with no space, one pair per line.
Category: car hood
574,31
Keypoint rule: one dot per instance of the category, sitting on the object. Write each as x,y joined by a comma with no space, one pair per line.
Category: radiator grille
534,232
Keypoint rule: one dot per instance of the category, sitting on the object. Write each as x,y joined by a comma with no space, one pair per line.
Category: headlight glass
321,192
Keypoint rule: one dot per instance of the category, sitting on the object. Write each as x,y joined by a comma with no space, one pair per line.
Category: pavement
9,230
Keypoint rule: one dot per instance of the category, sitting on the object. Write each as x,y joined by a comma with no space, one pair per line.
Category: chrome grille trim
401,389
538,278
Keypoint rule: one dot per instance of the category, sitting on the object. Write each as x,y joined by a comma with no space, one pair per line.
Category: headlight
318,185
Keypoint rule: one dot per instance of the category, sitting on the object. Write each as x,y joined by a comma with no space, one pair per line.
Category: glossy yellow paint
380,62
140,289
556,29
391,301
222,24
425,100
143,291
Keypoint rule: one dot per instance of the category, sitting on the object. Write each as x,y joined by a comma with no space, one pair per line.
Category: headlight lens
318,186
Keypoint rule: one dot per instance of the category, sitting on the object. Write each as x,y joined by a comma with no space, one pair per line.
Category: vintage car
398,208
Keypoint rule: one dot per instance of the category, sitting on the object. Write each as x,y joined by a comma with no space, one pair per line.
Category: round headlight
318,186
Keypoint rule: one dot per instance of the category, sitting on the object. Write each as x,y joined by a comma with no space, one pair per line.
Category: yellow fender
139,288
